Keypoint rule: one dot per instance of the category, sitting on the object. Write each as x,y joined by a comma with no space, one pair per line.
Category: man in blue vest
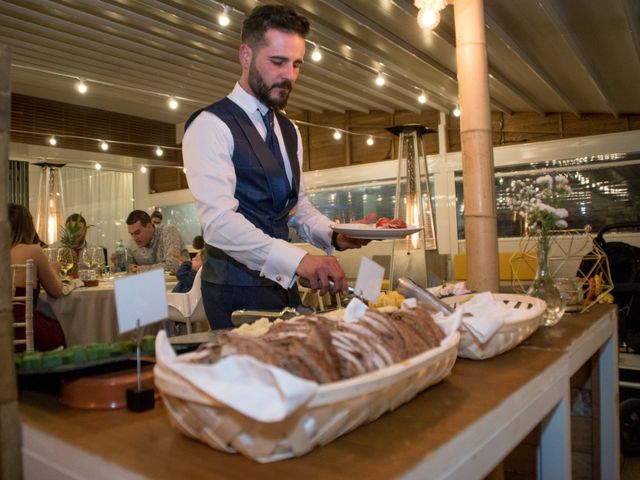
243,160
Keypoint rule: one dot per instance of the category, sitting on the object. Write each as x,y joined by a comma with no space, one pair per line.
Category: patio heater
50,211
413,204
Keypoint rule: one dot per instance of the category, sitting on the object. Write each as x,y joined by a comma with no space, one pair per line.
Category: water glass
569,292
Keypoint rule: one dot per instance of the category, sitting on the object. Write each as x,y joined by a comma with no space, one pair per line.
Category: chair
187,307
27,301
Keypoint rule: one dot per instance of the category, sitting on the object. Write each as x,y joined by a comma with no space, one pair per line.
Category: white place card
142,296
369,282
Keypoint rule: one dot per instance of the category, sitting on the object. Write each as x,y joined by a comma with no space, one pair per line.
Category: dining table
88,314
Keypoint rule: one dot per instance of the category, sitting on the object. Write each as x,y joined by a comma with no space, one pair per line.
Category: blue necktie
271,140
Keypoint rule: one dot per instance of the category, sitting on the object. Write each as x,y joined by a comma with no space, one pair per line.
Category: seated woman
47,332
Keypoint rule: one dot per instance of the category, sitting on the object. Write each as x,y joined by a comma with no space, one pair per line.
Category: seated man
186,273
154,246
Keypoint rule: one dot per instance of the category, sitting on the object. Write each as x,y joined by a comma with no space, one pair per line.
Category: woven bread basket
510,335
336,408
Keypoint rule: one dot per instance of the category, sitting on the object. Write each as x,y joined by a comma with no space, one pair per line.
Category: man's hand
319,269
343,242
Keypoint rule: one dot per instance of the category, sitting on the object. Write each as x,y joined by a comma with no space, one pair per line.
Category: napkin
449,289
354,310
483,315
70,284
255,389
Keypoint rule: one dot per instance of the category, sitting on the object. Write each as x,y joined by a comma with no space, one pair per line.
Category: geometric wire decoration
412,204
573,254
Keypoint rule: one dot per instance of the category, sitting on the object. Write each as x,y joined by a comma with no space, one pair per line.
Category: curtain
103,198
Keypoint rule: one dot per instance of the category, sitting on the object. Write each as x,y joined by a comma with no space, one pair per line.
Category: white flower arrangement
537,202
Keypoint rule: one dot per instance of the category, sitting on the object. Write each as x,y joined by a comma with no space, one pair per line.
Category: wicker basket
510,335
336,408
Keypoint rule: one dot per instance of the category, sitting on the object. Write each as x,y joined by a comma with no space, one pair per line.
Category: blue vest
262,189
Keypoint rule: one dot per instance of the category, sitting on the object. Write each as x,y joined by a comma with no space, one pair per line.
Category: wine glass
51,254
86,257
97,255
65,259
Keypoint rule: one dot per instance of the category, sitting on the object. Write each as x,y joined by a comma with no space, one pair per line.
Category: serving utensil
409,288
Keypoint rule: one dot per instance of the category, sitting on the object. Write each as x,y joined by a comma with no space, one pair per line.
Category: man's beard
262,90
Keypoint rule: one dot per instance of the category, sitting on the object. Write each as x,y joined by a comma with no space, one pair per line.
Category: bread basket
510,335
335,408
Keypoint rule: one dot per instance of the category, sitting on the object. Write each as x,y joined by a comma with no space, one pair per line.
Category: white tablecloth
88,315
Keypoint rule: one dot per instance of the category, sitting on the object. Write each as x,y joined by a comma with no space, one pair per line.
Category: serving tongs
410,289
239,317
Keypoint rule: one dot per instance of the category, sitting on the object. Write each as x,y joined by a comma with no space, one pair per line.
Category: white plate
370,232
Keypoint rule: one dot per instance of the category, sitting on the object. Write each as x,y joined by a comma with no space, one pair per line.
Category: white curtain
103,198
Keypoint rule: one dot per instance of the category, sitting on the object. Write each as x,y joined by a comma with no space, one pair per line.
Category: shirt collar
246,101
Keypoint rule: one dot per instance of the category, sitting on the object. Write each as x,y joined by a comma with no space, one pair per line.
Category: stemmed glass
86,257
97,254
65,258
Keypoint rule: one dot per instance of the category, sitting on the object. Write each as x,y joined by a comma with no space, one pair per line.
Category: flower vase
543,286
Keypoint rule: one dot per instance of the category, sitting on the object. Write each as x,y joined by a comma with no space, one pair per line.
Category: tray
510,335
336,408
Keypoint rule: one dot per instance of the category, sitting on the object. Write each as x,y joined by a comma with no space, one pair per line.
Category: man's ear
245,53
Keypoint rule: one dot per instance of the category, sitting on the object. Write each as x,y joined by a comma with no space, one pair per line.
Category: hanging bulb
337,135
184,170
224,19
428,19
422,98
81,86
173,103
143,169
159,152
104,146
98,166
380,79
370,140
456,111
316,56
52,141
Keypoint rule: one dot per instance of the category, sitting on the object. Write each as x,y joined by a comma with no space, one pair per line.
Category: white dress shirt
207,149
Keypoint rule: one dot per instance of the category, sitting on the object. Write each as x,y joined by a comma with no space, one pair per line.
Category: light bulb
422,98
184,170
380,80
173,103
456,112
52,141
428,19
337,135
370,140
143,169
98,166
104,146
81,86
223,19
159,152
316,56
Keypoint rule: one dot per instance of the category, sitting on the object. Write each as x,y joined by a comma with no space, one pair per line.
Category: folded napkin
483,315
449,289
257,390
70,284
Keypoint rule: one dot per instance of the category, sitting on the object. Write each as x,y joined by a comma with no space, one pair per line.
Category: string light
223,19
143,169
159,152
456,111
184,170
316,56
52,141
429,13
104,146
370,140
81,86
380,79
337,134
98,166
173,103
422,98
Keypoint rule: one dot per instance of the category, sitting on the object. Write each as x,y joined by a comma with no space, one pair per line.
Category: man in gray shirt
154,246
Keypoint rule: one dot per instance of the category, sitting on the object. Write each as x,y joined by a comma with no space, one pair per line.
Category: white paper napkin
69,285
484,315
449,289
354,310
257,390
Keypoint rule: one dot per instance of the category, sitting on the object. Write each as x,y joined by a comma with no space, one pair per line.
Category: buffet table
88,314
460,428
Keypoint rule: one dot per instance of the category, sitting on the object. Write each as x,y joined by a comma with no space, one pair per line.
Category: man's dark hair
278,17
157,214
76,218
139,216
198,242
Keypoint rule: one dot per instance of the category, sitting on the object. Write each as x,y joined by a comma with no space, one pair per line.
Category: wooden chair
27,301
